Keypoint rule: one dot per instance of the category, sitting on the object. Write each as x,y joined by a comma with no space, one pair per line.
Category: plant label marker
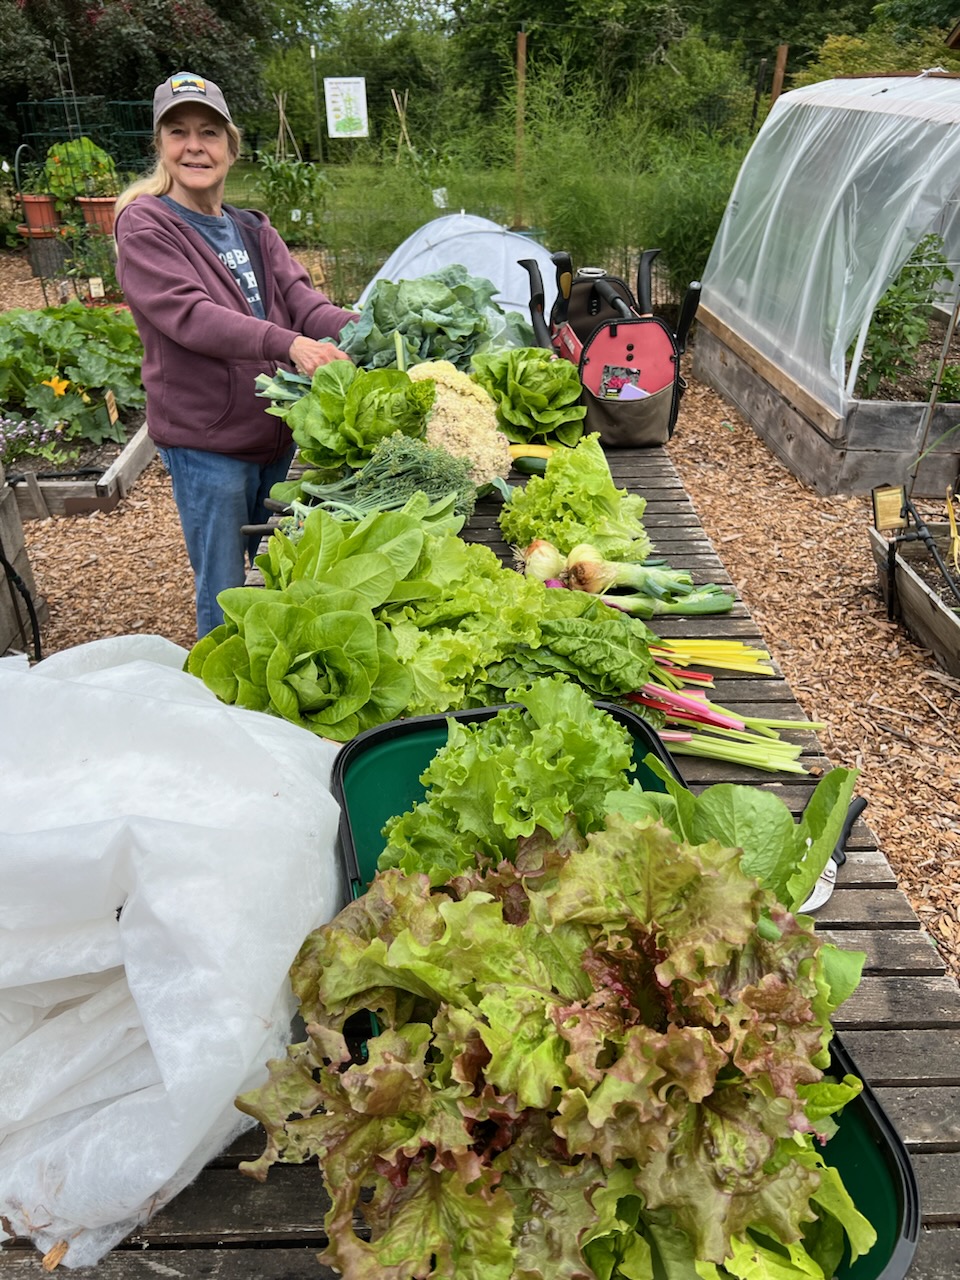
889,507
95,284
110,400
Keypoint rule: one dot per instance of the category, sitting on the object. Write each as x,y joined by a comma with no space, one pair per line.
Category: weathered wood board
932,619
40,497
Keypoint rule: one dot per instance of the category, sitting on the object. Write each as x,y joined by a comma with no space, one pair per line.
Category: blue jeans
215,496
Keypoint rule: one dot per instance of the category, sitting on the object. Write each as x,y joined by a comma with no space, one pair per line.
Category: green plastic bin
377,775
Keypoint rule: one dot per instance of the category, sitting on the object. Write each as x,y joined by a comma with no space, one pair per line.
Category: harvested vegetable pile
126,571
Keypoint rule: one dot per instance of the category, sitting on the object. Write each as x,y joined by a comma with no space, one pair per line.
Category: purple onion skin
554,582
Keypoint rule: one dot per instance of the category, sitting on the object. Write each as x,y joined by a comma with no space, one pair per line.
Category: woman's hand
307,355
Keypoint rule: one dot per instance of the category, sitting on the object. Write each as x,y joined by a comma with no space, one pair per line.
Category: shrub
683,199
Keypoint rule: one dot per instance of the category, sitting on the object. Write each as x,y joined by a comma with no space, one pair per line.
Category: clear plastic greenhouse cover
843,180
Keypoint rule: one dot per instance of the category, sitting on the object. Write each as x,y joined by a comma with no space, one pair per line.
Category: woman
217,299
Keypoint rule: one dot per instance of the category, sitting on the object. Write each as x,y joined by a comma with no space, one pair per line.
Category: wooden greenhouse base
876,443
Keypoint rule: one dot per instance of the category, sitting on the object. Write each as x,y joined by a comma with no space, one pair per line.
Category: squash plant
56,365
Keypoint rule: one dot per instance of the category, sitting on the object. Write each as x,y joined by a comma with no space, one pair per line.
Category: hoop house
845,178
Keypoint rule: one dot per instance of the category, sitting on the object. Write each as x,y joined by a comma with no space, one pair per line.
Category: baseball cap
185,86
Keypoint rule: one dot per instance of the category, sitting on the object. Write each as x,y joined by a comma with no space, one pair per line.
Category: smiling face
195,150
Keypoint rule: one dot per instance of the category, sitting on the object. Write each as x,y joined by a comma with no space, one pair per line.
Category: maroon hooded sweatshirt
203,349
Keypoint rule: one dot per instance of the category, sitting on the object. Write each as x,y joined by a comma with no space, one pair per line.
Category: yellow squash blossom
59,384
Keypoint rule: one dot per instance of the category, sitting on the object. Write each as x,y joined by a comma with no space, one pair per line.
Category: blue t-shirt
223,236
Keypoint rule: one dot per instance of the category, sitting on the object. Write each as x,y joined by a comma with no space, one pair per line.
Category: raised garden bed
921,598
17,585
42,492
875,443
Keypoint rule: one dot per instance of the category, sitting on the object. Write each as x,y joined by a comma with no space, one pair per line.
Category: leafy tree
762,25
607,40
697,84
908,17
878,51
120,51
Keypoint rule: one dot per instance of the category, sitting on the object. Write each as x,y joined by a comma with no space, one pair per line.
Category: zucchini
530,464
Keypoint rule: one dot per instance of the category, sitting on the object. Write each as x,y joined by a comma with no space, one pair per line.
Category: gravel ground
801,562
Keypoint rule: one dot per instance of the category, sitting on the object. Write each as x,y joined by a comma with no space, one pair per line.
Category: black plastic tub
377,776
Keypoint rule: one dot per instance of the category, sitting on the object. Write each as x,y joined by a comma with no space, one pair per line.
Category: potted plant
80,173
40,216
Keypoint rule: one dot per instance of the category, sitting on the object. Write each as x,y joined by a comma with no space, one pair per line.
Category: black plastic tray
876,1170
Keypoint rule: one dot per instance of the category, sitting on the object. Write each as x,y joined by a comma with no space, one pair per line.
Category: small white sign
346,99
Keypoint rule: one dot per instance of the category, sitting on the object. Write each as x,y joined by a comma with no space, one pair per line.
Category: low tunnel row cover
483,247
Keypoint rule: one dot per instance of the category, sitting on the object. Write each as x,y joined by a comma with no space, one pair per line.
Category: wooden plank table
902,1026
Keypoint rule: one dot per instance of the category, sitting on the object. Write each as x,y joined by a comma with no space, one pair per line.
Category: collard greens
446,315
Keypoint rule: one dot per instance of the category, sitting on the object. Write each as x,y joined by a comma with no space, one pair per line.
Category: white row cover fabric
163,856
843,181
484,248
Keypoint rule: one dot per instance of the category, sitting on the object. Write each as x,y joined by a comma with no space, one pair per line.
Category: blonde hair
156,181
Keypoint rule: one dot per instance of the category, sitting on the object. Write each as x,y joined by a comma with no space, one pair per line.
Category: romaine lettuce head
348,411
537,396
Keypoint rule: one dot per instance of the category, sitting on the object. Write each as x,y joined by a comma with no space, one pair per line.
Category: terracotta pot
98,212
40,212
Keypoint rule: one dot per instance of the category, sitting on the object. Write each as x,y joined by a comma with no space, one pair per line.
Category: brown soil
926,567
802,564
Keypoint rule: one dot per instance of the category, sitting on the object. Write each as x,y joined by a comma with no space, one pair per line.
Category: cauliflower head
463,421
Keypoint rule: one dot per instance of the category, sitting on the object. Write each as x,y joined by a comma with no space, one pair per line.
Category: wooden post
521,107
778,72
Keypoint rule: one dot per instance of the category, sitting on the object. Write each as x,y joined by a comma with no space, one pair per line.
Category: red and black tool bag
629,364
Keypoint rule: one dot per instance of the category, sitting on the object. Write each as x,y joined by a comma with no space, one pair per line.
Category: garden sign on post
346,101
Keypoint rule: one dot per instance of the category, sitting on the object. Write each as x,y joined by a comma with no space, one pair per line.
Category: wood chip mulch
801,563
803,566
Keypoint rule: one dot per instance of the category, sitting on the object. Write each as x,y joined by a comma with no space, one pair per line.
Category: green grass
241,185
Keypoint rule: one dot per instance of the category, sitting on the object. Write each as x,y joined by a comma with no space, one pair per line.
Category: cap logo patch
187,83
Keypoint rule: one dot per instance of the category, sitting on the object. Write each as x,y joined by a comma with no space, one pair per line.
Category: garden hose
16,583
